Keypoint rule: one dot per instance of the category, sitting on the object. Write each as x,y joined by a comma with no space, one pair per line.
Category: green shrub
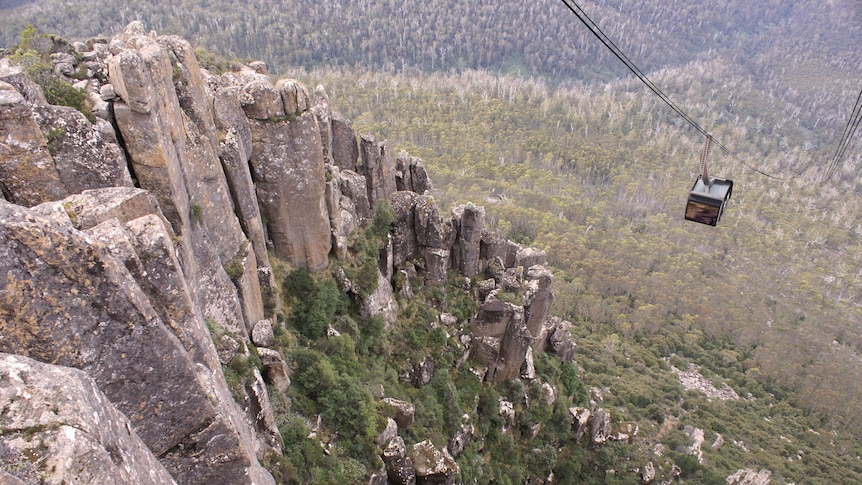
315,303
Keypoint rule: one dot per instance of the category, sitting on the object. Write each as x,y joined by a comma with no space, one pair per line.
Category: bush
315,303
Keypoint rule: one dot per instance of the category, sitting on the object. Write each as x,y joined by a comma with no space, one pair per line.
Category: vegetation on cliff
596,175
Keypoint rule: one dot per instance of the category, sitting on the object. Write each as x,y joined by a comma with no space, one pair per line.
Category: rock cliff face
136,259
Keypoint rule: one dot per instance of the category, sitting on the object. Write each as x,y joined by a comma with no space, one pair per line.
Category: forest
514,106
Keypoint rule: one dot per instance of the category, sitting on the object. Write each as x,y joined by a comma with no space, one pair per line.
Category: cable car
709,196
706,202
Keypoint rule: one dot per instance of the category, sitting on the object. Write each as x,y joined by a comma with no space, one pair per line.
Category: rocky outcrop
468,222
24,155
501,339
404,411
58,427
580,426
750,477
410,174
169,132
433,466
287,163
399,465
692,379
600,427
375,163
91,314
136,256
538,297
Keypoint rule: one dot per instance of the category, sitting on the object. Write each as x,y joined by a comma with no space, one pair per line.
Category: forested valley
516,107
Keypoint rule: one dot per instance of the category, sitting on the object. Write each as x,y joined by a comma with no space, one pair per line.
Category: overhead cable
616,51
849,131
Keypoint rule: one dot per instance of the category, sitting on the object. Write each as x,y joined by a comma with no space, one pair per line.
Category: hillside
571,155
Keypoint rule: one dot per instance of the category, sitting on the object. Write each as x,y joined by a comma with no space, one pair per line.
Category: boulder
388,433
404,411
275,370
580,426
262,334
526,258
399,466
648,473
294,97
434,466
600,427
261,101
380,302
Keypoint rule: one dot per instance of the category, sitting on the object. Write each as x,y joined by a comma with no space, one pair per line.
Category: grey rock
16,76
503,339
461,439
381,302
28,175
83,158
264,417
529,257
345,149
404,244
66,431
261,101
431,231
91,314
288,170
469,222
580,426
262,334
750,477
600,427
434,466
323,112
560,339
399,466
227,348
404,411
410,174
538,298
377,167
388,433
648,473
294,97
493,245
421,373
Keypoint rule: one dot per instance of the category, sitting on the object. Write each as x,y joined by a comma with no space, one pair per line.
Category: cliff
138,250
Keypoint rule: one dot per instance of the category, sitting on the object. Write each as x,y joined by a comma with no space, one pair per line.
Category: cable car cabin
707,203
